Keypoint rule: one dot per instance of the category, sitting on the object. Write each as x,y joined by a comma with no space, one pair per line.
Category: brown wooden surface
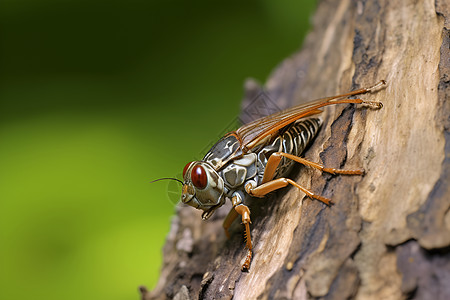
388,235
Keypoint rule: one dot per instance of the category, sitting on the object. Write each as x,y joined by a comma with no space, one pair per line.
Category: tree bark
388,234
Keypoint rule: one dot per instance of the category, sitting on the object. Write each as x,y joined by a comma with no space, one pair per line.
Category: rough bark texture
388,234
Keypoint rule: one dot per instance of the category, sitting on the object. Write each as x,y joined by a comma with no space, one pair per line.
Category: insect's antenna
167,178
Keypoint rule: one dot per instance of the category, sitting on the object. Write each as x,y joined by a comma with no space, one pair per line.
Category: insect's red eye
186,167
198,177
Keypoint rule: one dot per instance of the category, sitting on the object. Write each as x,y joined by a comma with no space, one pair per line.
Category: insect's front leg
244,211
232,215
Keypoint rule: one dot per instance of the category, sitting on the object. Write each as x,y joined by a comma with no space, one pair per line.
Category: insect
255,159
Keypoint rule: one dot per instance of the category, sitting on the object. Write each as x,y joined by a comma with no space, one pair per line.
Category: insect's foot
374,104
381,83
379,105
246,265
322,199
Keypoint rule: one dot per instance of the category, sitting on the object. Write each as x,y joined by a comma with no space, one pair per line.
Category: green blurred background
99,97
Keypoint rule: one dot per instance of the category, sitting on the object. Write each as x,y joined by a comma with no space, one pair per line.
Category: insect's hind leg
275,158
374,104
335,99
268,184
321,167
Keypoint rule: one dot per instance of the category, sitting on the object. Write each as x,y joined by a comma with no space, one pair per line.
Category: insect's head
202,187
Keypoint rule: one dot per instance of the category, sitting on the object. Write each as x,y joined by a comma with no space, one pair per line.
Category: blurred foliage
99,97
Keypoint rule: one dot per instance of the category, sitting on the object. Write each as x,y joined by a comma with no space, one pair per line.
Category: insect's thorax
224,151
251,166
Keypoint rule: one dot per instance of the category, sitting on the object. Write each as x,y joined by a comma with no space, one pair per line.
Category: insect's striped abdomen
293,141
297,138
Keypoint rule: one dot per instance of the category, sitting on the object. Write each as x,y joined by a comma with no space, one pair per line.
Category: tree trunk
388,234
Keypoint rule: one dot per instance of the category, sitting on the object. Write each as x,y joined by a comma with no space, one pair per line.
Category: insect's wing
253,133
256,132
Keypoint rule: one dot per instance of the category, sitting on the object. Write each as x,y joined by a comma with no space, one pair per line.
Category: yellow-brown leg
265,188
358,92
275,158
321,167
232,215
245,213
374,104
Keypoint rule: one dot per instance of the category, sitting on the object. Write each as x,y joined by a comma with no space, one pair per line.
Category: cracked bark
388,235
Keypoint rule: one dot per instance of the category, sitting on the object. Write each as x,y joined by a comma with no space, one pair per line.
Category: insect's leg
271,167
372,88
265,188
275,158
232,215
245,213
374,104
319,166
